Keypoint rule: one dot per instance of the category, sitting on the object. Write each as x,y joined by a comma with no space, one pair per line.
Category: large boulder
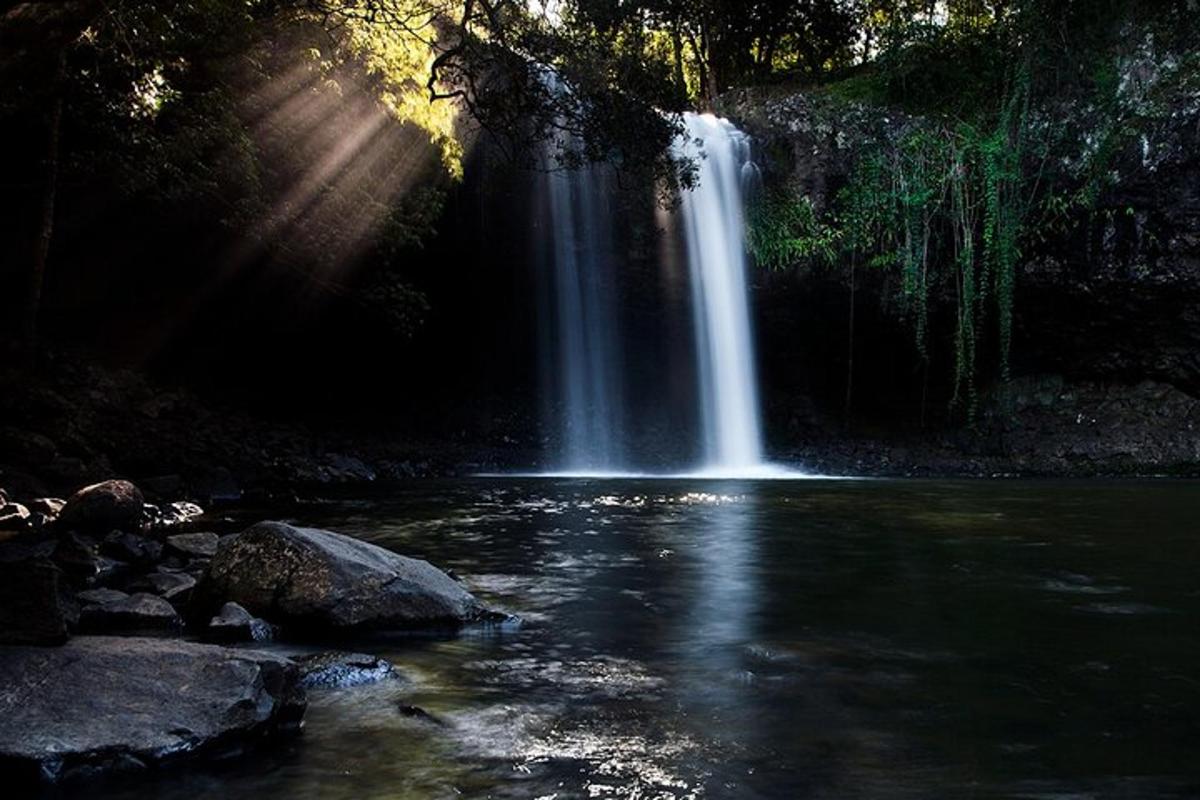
117,704
102,507
306,579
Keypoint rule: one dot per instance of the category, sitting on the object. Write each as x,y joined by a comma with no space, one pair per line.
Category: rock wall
1106,334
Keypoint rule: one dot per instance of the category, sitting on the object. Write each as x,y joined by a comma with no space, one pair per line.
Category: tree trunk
677,47
41,245
850,350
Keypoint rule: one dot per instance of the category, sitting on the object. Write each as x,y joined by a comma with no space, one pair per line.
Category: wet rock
110,570
103,507
174,587
337,670
235,624
101,704
310,580
172,514
140,613
34,604
418,713
193,545
78,557
132,548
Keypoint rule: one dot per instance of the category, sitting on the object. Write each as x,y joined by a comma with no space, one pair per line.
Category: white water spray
715,233
585,340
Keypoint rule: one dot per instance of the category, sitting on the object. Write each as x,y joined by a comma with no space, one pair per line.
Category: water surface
721,639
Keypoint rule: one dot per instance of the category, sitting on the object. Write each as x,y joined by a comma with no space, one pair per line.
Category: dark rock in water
136,614
235,624
102,507
416,712
336,670
313,580
202,545
132,548
34,605
111,704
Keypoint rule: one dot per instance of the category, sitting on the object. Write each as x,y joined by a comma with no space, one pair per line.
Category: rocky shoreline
130,637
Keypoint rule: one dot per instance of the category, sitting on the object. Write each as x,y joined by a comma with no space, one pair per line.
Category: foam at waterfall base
755,472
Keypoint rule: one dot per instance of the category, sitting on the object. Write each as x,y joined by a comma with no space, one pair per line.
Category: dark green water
786,639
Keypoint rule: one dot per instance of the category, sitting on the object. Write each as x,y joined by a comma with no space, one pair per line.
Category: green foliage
943,206
785,230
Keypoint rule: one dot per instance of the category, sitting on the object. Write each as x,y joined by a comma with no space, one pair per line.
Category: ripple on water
584,757
1122,609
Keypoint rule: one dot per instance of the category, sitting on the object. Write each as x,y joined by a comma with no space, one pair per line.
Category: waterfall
584,343
586,350
715,236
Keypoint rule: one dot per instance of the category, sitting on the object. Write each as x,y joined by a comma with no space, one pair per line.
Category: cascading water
716,254
584,341
584,348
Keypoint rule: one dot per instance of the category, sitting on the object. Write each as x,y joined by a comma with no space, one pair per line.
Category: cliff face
1106,327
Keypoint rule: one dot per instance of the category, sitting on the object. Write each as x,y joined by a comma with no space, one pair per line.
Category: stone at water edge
113,703
337,670
309,580
102,507
235,624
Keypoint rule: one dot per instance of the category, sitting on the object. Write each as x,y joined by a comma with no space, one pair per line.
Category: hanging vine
944,206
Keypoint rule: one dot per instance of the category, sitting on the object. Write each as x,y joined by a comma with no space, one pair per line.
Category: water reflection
776,640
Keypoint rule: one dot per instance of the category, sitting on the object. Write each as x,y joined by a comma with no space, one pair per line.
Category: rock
416,712
235,624
34,606
50,506
100,597
132,548
14,517
77,556
172,586
116,704
136,614
172,514
109,570
102,507
311,580
337,670
202,545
